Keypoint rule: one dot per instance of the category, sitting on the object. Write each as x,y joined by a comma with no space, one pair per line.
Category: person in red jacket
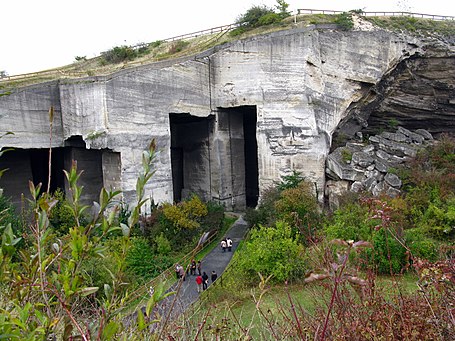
199,281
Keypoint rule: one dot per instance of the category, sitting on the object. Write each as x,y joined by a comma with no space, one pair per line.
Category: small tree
272,251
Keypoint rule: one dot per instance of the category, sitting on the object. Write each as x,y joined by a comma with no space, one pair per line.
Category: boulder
383,155
414,137
357,186
338,166
362,159
382,165
393,180
334,191
426,135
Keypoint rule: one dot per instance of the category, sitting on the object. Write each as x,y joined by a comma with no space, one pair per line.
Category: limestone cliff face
298,84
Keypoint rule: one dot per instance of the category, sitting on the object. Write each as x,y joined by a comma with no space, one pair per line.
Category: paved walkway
215,260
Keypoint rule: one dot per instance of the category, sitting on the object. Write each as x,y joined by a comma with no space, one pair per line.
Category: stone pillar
228,160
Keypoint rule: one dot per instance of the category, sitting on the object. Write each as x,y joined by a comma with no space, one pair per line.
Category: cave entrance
251,156
216,157
100,168
238,126
190,155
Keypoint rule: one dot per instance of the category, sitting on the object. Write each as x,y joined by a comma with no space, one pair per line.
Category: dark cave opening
251,156
190,155
99,168
240,123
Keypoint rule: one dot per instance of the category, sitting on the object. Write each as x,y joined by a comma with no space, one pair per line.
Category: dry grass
165,50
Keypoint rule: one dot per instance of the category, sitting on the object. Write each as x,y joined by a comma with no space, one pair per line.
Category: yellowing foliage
186,214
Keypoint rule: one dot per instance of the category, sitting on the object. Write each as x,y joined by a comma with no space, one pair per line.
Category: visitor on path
177,271
214,276
229,244
199,267
223,245
193,268
199,281
205,280
182,272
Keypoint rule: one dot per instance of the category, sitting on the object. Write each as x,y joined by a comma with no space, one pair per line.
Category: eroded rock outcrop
371,165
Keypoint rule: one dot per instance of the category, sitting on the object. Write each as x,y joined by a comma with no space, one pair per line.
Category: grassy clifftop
122,57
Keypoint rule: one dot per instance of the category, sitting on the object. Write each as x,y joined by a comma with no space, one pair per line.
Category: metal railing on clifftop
379,14
53,73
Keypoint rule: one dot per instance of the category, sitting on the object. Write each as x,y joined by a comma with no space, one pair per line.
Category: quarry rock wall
303,84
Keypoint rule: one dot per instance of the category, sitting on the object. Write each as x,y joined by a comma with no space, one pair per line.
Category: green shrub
344,20
140,256
269,19
238,31
123,53
354,222
163,246
8,215
299,207
265,213
143,262
420,245
388,255
156,43
438,219
98,271
271,251
252,16
290,181
350,222
119,54
61,217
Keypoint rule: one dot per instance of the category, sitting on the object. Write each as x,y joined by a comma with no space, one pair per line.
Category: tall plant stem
334,292
51,123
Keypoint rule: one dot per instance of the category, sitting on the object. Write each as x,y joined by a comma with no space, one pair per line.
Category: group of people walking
202,279
195,269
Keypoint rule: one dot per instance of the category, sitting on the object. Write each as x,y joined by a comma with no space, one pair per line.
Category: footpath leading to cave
215,260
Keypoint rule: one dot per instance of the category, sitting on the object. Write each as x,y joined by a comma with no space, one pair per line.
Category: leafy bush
388,255
299,207
8,215
143,262
238,31
251,18
269,19
438,219
344,20
272,251
119,54
420,245
350,222
163,246
290,181
356,222
430,186
156,43
186,214
123,53
265,212
61,217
